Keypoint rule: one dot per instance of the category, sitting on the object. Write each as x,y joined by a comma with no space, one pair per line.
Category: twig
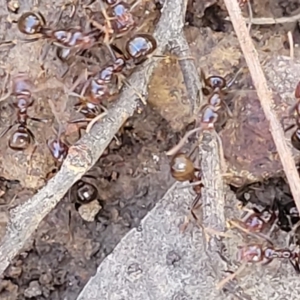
270,21
291,43
190,74
84,154
265,97
212,198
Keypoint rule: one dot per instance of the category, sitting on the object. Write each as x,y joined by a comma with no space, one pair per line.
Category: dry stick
270,21
265,97
84,154
190,75
212,198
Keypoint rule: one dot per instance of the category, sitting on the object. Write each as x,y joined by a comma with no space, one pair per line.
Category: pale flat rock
158,262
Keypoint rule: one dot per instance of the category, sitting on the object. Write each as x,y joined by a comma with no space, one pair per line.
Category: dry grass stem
269,21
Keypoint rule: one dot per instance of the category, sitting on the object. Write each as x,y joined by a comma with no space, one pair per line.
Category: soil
131,175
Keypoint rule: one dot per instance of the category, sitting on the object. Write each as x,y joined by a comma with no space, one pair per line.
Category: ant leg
228,110
230,277
135,91
196,204
295,264
80,120
168,57
5,97
7,77
38,120
11,43
134,4
232,80
181,143
30,40
30,159
31,135
6,130
107,29
44,52
95,120
81,78
289,127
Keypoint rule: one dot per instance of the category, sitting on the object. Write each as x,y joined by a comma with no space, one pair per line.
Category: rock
89,211
33,290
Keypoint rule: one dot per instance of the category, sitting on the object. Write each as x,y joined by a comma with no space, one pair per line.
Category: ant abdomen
182,168
141,45
31,23
20,139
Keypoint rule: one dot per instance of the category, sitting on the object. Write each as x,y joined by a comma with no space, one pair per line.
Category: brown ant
118,19
86,190
256,223
257,253
214,87
182,169
74,39
295,139
21,90
105,84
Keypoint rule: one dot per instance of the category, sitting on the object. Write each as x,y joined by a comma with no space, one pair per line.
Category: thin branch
270,21
189,71
265,97
212,214
84,154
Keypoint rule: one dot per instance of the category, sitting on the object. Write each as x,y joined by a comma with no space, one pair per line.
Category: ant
256,223
257,253
86,190
22,88
118,19
214,87
138,48
106,84
182,169
75,39
295,139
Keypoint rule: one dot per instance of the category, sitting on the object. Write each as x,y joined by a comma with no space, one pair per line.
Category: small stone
45,279
33,290
13,6
89,211
14,272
